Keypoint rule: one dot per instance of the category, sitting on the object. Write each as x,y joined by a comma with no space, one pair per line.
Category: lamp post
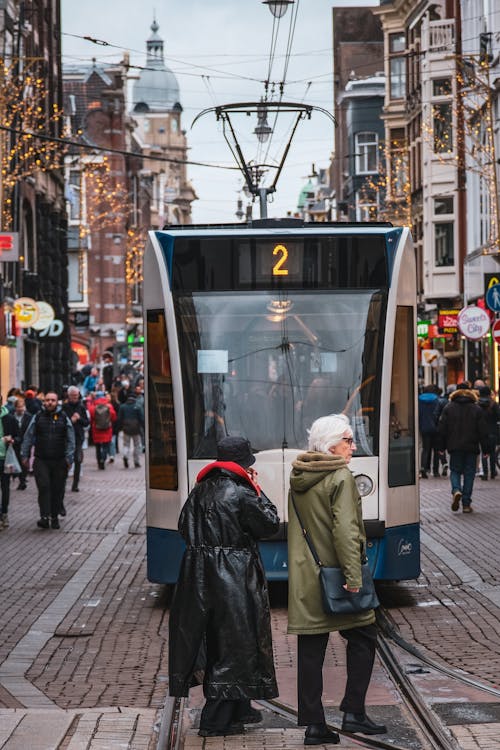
278,7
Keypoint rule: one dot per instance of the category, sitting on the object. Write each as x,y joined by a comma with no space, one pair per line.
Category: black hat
235,449
484,391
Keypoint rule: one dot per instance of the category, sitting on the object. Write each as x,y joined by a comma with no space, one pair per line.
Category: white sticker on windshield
212,360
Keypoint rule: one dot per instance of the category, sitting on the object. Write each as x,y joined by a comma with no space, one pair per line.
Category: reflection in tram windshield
266,365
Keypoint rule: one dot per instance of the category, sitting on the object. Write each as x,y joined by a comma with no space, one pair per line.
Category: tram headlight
364,484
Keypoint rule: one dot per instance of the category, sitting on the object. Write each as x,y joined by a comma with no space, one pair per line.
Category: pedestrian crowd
45,435
459,434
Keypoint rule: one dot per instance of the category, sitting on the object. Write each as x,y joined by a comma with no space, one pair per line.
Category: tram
257,330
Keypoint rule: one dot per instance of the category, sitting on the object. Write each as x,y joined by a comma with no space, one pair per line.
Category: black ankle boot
361,723
319,734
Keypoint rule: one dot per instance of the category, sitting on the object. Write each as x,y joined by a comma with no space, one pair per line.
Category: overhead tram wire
104,149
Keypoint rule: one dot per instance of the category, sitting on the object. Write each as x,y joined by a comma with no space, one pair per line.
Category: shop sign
82,318
137,352
473,322
45,317
447,321
423,328
52,331
9,246
26,311
430,357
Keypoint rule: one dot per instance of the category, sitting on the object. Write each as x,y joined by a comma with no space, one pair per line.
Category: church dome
156,89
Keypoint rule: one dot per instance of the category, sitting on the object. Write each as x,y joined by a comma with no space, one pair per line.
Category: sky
219,51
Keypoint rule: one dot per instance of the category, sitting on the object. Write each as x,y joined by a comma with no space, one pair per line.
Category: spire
155,47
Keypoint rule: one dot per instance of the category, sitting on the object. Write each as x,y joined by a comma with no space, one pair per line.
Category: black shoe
43,523
137,466
361,723
62,512
22,486
101,465
319,734
231,729
423,474
252,716
55,523
125,462
75,489
484,477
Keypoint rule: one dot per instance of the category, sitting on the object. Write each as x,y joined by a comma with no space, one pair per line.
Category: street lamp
263,130
278,7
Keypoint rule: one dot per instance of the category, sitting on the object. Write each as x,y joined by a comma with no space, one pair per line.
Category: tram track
431,731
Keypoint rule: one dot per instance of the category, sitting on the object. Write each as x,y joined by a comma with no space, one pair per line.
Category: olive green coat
330,508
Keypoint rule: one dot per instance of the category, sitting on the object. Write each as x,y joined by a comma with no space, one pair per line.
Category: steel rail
427,721
169,734
390,630
290,714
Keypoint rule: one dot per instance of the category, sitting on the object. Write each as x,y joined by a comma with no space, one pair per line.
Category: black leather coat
220,619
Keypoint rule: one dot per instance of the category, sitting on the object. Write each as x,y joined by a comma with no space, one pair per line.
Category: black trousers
77,465
218,715
50,478
5,485
361,643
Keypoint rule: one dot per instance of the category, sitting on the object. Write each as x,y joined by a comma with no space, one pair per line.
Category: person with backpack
52,434
77,413
131,423
102,417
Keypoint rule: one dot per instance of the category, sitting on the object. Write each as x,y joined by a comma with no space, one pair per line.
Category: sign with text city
473,322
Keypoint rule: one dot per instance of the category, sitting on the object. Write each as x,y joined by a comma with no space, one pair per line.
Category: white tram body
257,330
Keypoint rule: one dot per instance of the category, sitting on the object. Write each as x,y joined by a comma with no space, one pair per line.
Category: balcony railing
441,36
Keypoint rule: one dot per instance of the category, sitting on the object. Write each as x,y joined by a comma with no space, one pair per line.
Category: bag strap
364,558
306,535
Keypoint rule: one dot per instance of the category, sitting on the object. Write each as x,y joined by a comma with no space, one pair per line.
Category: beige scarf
315,461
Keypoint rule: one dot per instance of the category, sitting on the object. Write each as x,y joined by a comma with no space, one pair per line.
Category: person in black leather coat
220,618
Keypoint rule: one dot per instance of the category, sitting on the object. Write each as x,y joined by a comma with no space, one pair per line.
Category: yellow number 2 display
278,269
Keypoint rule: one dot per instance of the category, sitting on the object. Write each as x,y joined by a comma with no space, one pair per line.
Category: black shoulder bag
335,598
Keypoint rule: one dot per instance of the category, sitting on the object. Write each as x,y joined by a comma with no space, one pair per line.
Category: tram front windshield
266,365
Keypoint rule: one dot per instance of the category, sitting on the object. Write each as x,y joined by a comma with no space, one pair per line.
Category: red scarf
228,466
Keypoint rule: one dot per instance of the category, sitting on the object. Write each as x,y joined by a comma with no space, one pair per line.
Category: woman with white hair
329,506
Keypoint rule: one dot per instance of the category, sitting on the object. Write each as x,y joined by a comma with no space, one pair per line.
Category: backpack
102,417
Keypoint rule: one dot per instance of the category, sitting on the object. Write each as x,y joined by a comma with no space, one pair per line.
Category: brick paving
84,646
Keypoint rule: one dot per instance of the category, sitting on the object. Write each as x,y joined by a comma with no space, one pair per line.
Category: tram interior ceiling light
278,7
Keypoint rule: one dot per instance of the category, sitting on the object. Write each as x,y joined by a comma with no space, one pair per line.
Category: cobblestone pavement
83,652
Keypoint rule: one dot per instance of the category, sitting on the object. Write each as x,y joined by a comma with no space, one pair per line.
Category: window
444,244
162,468
73,194
441,87
366,205
397,66
401,468
366,145
443,205
75,277
443,128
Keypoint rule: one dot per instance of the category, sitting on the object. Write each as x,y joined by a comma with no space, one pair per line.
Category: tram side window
161,422
401,469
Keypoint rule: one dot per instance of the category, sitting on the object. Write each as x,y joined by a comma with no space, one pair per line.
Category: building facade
32,203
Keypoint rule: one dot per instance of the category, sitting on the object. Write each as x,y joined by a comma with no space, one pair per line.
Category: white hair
328,431
73,389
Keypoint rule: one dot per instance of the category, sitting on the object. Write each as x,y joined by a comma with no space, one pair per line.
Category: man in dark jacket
220,618
427,403
462,428
79,417
53,436
491,411
131,422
